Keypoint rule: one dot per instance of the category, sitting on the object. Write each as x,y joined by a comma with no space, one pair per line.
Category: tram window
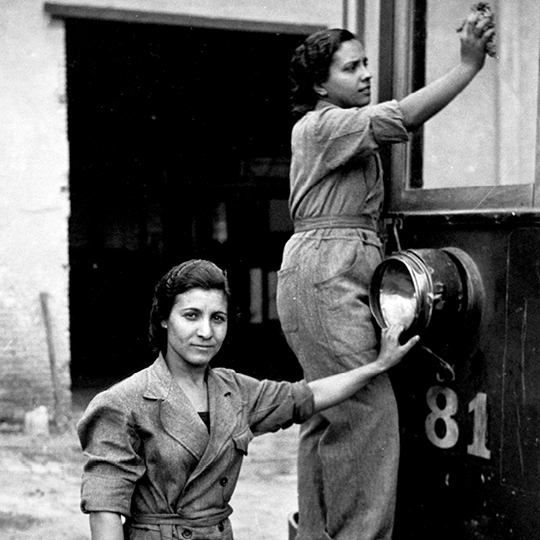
487,136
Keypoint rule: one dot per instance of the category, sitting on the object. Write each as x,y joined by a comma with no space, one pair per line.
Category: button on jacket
149,453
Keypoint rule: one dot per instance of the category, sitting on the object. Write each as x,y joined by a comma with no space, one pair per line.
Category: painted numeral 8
443,403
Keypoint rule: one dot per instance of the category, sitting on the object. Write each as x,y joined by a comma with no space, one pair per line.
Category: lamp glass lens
397,297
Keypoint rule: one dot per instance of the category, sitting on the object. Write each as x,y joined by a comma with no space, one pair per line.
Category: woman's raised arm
421,105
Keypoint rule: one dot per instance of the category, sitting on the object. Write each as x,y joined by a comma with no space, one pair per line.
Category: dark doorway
179,145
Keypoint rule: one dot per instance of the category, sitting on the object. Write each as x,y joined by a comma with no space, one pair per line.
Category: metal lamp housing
428,291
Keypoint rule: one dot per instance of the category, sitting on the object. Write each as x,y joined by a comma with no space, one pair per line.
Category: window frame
402,198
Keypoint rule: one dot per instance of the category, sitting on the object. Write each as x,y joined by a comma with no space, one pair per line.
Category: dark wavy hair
193,274
310,65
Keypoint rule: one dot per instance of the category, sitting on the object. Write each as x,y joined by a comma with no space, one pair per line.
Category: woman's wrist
470,67
380,365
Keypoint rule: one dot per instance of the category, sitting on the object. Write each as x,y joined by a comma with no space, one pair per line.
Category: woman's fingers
394,331
480,25
406,347
390,344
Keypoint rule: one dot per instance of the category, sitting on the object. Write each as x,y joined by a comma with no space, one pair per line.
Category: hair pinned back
310,65
193,274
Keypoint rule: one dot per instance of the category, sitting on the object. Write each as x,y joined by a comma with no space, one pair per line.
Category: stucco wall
34,181
34,209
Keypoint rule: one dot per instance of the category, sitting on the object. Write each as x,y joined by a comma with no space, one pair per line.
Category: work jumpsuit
152,459
348,454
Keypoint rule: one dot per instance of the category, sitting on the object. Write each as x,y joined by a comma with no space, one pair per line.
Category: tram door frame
255,184
467,443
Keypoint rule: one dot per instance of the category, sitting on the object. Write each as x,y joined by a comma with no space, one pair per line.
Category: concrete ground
40,480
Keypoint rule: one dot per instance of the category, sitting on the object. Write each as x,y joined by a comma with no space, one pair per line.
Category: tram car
462,269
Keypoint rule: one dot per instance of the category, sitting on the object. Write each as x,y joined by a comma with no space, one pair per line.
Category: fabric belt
363,221
166,523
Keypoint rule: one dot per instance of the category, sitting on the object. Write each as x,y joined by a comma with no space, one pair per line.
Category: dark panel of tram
468,398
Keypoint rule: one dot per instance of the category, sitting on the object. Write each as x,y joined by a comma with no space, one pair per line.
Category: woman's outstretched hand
476,34
392,351
477,31
332,390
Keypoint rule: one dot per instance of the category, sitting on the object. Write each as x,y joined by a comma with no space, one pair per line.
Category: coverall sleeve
344,134
110,444
273,405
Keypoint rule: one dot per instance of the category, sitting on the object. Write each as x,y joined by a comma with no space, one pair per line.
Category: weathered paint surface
471,460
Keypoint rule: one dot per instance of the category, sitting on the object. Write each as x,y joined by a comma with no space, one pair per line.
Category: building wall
34,209
34,180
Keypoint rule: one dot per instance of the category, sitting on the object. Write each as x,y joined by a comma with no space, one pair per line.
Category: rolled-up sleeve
344,134
387,123
273,405
304,402
110,444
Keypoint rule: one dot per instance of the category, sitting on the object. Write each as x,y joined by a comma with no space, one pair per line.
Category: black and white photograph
269,270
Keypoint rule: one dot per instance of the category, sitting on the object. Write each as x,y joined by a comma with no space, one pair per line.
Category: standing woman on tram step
348,455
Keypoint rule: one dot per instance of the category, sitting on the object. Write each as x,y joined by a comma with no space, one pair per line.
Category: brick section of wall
25,376
34,211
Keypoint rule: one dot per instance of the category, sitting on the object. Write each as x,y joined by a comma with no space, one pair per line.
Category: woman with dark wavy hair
164,447
348,455
310,65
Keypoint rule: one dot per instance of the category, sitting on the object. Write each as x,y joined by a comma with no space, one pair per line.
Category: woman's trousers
348,454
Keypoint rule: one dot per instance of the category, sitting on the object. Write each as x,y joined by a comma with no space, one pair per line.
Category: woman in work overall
348,455
164,447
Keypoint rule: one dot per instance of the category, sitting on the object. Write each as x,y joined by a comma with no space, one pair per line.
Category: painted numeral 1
478,447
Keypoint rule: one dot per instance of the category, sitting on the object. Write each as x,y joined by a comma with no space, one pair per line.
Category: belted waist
166,523
363,221
175,519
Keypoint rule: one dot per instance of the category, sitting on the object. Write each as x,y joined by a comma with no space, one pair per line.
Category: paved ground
40,479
